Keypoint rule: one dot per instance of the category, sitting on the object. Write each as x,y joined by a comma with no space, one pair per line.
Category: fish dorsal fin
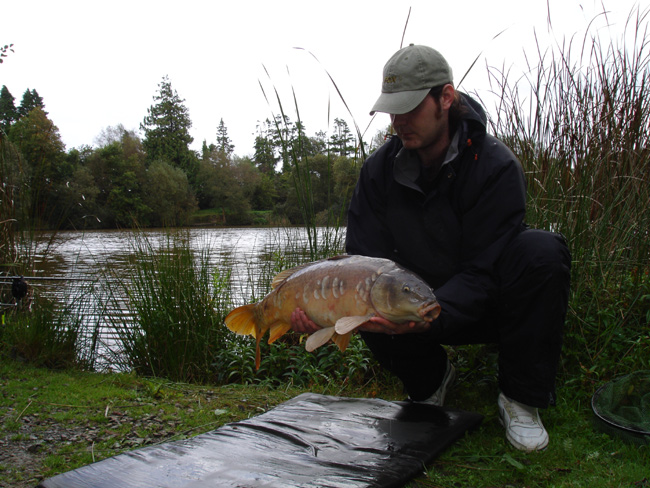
284,275
345,325
319,338
280,277
342,341
340,256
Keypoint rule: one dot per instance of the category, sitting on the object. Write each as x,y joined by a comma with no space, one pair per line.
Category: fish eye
406,289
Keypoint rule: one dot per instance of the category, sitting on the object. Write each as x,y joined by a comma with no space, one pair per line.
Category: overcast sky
99,63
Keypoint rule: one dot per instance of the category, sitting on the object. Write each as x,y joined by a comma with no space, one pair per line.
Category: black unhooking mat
309,441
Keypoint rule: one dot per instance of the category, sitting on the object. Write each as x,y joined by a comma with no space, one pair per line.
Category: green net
625,402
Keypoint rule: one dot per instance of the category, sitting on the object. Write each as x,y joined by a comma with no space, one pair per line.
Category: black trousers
526,321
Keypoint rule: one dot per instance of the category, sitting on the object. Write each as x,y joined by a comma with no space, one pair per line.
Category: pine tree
224,144
31,100
341,141
8,111
167,130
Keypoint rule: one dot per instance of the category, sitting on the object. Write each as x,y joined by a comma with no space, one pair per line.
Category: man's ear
447,96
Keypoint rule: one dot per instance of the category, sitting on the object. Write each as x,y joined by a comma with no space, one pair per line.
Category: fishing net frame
622,407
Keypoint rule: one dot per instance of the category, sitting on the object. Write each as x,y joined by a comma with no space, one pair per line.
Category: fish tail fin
342,341
242,320
245,321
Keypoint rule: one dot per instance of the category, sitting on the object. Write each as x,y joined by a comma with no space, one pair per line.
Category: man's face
425,126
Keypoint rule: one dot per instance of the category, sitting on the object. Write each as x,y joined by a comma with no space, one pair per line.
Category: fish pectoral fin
342,341
319,338
345,325
278,330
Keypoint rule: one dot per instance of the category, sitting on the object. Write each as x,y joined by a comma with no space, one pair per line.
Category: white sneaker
524,428
438,398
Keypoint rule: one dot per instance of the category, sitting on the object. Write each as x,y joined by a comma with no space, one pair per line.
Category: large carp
339,294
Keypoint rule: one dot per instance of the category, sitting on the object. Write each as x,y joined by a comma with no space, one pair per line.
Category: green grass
67,419
578,455
75,418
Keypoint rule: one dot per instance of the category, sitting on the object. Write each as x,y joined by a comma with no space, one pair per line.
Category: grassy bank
216,217
54,421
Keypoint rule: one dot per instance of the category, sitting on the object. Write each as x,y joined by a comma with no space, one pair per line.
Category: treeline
156,179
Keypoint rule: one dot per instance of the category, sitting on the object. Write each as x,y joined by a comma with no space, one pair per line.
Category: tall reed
579,120
324,239
176,303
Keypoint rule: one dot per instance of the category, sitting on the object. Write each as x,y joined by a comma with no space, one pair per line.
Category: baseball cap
409,75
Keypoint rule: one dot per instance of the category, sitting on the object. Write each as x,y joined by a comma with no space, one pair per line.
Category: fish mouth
429,311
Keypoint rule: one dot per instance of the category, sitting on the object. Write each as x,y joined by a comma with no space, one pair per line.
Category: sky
98,64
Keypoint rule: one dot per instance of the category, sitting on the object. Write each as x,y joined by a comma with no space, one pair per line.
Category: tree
37,139
167,130
168,195
318,143
31,100
380,138
8,111
250,180
116,133
285,137
264,157
264,194
342,141
346,173
224,144
221,186
206,150
120,176
77,200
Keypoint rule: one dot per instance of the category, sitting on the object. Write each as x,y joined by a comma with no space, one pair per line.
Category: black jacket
453,234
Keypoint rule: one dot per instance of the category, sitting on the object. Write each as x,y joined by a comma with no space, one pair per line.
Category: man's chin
410,143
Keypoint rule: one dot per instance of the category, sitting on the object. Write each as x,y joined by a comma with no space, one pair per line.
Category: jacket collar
407,168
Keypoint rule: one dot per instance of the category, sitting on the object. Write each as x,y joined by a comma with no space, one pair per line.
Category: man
447,201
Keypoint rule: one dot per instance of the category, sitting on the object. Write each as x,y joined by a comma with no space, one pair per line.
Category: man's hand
382,326
301,324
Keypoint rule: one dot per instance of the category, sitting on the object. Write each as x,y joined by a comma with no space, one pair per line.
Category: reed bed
579,120
175,304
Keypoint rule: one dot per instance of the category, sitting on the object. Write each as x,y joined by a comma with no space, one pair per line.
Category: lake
69,260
